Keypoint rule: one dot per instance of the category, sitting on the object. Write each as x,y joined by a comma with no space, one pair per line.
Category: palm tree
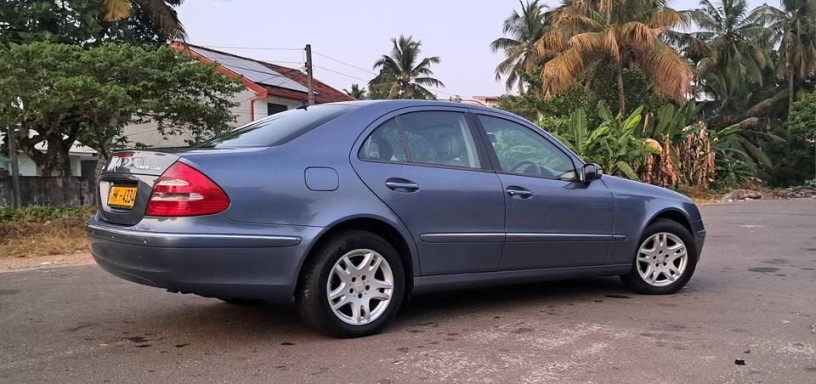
589,36
795,28
520,49
732,45
357,92
162,11
403,75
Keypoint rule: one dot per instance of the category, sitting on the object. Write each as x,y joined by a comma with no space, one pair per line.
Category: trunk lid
126,183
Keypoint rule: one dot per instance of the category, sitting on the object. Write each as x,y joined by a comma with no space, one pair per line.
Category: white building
268,89
82,159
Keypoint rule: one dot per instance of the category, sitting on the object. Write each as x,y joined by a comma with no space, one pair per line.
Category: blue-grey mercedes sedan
348,208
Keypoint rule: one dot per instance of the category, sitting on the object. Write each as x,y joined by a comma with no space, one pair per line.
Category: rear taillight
184,191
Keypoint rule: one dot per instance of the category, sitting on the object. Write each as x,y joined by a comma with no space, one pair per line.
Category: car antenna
303,106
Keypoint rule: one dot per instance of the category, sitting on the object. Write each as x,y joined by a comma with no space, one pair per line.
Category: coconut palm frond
402,74
117,9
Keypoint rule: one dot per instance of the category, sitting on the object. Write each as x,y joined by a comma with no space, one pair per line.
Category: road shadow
193,320
508,298
213,319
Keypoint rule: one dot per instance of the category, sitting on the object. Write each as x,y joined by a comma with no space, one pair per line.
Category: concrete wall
27,166
60,191
147,134
241,112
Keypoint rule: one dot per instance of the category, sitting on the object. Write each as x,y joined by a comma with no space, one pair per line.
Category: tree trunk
55,161
790,88
621,95
757,110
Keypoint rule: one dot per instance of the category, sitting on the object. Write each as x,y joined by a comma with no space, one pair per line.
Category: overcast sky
358,32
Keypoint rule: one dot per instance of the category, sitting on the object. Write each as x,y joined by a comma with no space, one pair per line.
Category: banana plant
614,144
670,121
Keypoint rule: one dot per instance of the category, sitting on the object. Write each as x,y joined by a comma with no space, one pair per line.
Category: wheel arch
673,214
379,226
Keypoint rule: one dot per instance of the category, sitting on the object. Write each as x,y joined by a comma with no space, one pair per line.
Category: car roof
405,103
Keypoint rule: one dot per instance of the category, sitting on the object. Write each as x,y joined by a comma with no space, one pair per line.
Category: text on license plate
122,197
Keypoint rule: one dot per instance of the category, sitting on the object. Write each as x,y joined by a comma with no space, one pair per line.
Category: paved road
753,299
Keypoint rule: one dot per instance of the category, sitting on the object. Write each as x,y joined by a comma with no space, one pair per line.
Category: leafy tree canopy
802,118
64,93
80,22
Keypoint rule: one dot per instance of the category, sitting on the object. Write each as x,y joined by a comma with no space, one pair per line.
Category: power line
254,48
346,64
340,73
437,90
282,62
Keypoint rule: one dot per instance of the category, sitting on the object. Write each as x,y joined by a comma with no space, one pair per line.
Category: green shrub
794,158
42,213
802,118
534,106
6,213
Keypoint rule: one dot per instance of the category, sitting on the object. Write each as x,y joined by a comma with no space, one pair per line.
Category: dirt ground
10,264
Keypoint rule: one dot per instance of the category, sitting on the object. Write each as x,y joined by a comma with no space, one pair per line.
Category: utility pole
15,172
309,74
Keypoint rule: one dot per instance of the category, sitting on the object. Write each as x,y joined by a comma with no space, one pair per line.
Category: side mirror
591,172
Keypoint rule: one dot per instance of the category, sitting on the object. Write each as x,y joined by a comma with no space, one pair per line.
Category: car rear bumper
252,266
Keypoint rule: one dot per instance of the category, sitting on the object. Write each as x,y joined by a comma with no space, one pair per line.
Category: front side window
522,151
439,138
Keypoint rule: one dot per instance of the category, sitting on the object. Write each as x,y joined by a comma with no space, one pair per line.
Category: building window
272,109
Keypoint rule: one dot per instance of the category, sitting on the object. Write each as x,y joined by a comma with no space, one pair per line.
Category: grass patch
42,230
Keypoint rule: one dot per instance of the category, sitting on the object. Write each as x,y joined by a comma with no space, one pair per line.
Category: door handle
518,191
403,185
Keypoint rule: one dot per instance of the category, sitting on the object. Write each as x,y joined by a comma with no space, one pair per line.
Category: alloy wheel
360,286
662,258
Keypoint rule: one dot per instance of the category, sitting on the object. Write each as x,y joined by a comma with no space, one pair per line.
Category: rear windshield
278,128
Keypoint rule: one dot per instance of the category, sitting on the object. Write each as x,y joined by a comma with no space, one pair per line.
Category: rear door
553,220
427,166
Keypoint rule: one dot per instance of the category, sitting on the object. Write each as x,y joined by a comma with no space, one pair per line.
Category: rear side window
278,128
384,144
439,138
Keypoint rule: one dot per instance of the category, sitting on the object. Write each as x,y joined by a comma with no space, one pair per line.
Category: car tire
341,284
659,266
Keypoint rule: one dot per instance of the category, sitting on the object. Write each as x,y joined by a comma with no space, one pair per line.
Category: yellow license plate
122,197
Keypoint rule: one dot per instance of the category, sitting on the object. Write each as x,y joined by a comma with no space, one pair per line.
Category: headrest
381,150
448,146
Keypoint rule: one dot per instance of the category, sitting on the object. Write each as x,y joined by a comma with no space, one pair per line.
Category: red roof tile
323,92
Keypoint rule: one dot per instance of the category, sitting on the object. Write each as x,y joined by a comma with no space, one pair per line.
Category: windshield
278,128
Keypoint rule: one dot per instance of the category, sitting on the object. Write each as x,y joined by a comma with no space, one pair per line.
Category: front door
553,220
426,166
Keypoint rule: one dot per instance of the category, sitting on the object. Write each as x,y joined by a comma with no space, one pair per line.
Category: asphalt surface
752,302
